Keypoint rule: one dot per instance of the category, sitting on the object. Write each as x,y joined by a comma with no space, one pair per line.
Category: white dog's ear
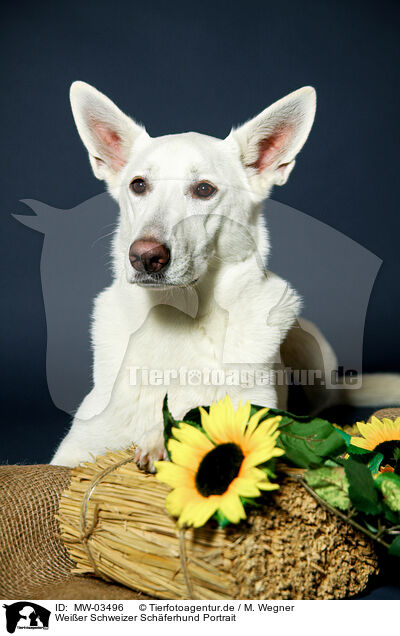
270,141
106,131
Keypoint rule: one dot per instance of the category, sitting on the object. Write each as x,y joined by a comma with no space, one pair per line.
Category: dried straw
127,535
114,524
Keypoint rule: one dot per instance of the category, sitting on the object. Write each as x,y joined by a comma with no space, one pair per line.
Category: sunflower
212,468
381,436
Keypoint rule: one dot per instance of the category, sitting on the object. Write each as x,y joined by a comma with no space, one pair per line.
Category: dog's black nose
148,255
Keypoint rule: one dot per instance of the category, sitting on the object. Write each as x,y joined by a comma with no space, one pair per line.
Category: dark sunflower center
218,469
388,450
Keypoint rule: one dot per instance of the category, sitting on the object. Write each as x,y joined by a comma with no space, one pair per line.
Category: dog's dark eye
204,190
139,185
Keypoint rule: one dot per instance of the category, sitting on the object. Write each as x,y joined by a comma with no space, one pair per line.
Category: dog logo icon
26,615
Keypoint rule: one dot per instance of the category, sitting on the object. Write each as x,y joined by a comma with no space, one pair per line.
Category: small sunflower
380,436
213,467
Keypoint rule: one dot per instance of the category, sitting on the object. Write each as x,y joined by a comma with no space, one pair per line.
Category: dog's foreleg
114,422
91,433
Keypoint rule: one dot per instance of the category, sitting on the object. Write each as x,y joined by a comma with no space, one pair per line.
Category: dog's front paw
148,453
70,457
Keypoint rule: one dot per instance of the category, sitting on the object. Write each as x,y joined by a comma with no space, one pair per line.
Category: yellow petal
216,424
245,487
392,428
231,506
374,422
177,499
358,424
254,420
240,420
174,475
259,477
278,452
360,442
222,412
261,438
192,436
196,513
266,432
258,457
184,455
267,485
363,428
252,473
375,432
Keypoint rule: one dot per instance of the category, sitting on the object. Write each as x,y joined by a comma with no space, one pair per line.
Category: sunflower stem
381,529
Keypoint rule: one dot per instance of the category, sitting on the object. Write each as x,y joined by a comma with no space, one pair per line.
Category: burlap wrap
34,563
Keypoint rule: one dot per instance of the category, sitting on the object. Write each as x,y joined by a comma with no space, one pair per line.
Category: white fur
217,306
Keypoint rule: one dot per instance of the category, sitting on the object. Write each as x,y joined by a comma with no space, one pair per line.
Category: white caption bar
177,617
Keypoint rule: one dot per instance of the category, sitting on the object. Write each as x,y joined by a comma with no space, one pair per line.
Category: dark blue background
192,66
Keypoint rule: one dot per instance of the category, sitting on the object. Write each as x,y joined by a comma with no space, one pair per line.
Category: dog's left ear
270,141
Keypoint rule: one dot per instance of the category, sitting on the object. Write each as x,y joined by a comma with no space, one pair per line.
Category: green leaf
309,443
345,436
222,520
392,517
284,414
193,416
394,547
250,501
169,423
375,462
389,485
269,468
356,450
370,528
330,484
396,455
362,491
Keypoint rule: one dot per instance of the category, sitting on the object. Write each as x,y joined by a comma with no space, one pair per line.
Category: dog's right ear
268,143
105,130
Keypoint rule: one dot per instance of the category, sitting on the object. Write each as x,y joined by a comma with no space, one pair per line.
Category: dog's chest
169,338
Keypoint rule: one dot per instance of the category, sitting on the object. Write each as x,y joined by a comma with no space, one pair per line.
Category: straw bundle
113,523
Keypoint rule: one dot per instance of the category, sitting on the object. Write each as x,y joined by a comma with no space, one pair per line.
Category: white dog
191,298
